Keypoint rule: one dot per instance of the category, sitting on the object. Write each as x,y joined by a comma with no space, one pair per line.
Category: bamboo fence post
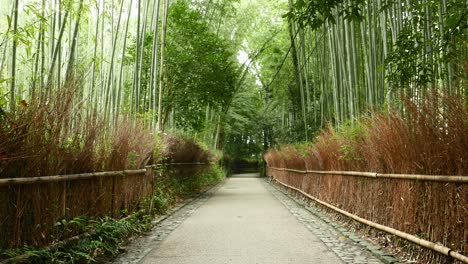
19,210
113,197
150,177
64,198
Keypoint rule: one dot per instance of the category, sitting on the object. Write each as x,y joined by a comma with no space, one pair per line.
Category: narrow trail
245,221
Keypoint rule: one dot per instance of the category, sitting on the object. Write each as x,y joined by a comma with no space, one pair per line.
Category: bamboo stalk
416,240
441,178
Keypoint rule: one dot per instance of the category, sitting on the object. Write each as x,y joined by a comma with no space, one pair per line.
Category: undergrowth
183,182
108,235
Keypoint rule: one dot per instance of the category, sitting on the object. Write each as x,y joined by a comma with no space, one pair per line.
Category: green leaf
9,20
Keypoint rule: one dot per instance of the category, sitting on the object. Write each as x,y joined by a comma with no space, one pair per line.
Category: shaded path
244,221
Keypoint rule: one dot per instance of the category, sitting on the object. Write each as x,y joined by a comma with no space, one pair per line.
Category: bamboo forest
117,117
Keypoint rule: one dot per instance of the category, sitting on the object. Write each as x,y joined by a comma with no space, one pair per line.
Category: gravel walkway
246,220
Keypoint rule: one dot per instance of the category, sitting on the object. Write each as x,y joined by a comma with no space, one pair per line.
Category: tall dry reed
58,137
431,138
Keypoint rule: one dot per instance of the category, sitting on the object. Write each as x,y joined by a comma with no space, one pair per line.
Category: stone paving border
141,246
346,245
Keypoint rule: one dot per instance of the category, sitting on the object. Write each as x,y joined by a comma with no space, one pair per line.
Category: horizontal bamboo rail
82,176
179,164
440,178
416,240
69,177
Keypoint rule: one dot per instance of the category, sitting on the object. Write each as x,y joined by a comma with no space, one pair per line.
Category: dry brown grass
428,139
431,139
57,138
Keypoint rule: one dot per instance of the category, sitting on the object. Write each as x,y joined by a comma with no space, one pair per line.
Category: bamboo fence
417,208
31,207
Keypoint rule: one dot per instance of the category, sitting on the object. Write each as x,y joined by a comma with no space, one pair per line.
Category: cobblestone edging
346,245
163,226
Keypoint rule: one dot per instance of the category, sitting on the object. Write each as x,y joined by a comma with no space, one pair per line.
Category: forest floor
246,220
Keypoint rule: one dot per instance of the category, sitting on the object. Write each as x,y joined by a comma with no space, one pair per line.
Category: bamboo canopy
440,178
